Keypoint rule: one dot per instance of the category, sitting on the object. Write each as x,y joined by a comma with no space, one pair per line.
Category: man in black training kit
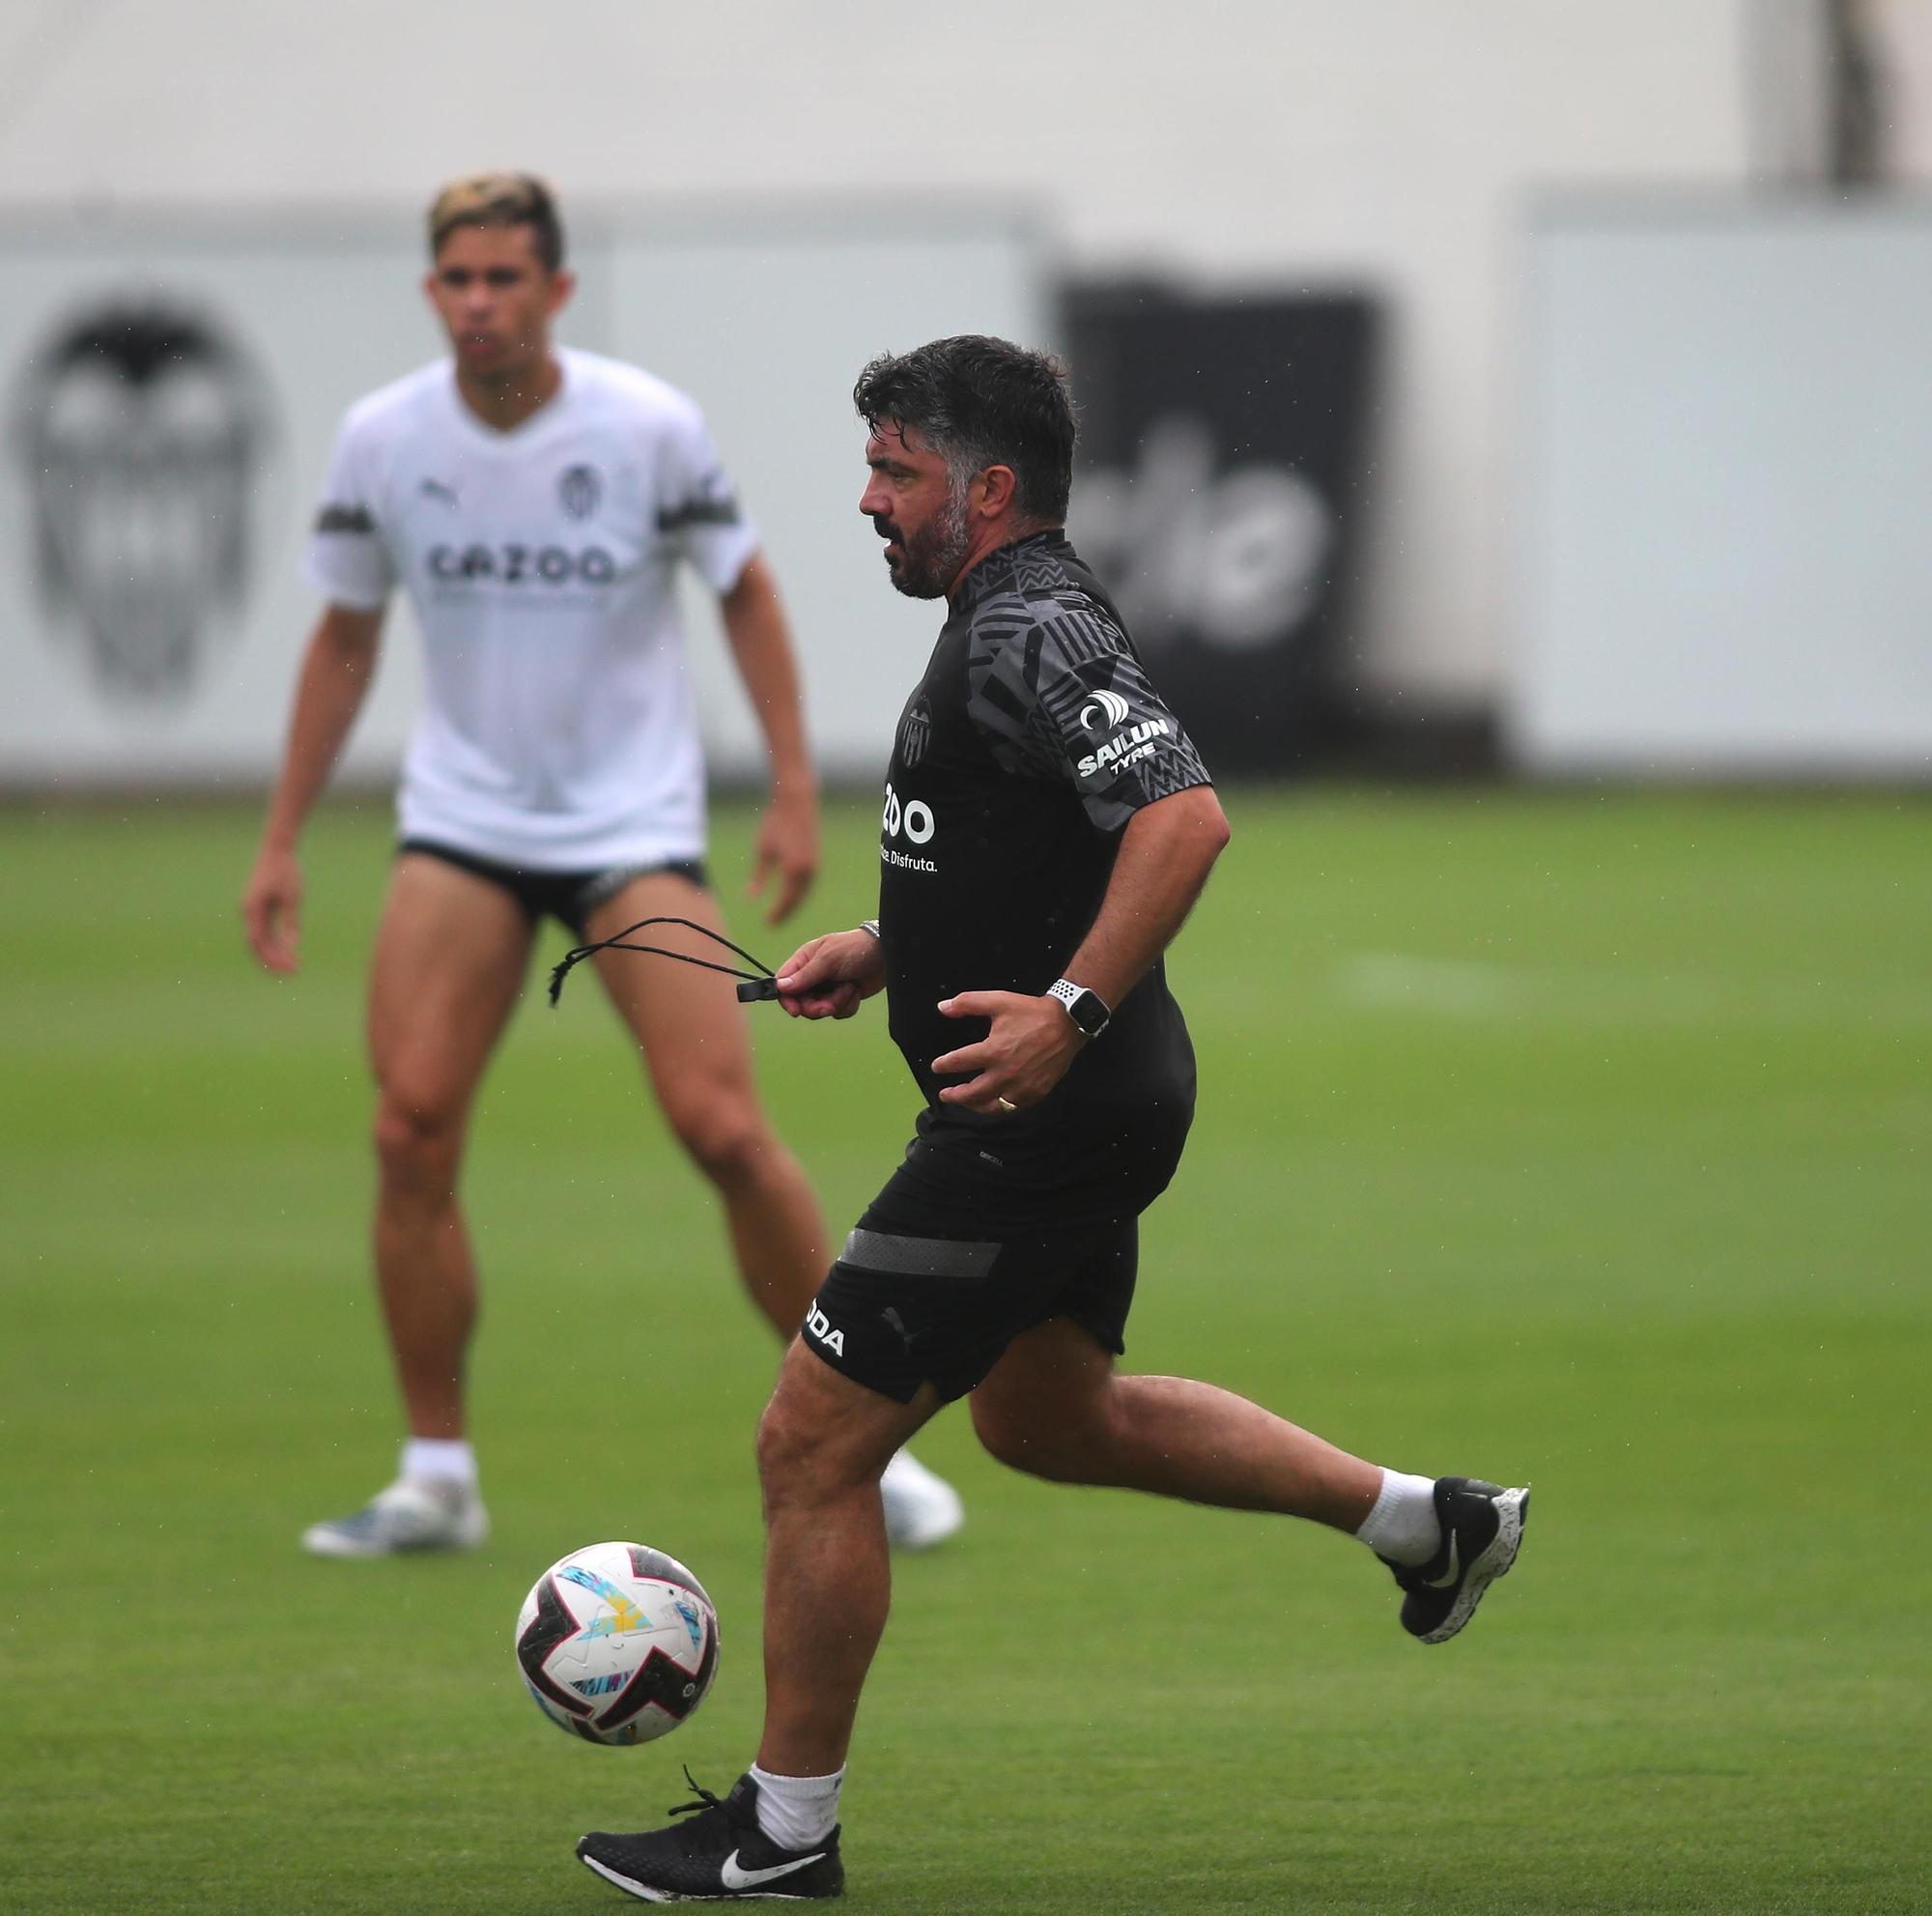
1047,828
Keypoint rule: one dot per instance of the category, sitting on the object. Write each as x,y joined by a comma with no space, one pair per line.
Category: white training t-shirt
558,732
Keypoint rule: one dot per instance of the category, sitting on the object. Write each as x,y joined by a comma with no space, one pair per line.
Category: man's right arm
832,976
334,679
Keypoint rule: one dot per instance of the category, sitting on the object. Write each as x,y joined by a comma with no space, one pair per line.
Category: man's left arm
760,640
1165,854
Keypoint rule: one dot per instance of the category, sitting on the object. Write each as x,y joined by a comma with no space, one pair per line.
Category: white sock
1403,1526
446,1459
797,1811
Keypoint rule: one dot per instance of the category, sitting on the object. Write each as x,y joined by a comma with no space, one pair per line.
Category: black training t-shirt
1029,743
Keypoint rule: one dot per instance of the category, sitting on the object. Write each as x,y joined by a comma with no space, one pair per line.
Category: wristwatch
871,925
1087,1009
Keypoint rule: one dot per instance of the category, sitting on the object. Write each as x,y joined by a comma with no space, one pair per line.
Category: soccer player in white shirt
536,503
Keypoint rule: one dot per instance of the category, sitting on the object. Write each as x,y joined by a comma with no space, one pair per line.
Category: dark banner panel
1219,496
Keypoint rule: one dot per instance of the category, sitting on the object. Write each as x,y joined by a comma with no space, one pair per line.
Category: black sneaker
1482,1532
721,1855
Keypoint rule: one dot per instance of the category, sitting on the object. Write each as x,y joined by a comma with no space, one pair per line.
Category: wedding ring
1006,1105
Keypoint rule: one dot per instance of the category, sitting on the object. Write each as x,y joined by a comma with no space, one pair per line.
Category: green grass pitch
1583,1139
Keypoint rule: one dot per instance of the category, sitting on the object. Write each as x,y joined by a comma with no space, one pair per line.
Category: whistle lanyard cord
617,943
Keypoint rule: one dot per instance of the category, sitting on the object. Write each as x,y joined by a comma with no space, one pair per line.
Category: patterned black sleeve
1059,694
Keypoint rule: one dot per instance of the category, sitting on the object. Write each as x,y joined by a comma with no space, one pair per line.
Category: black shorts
569,897
913,1299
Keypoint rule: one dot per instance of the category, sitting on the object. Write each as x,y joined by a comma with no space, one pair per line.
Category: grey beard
930,565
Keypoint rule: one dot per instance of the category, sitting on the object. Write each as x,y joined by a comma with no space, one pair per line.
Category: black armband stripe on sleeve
698,512
336,518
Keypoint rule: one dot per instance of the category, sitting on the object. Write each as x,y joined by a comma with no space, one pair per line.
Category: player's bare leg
691,1032
449,960
822,1444
1055,1407
697,1049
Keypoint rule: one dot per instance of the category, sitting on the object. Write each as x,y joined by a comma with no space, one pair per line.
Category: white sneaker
921,1509
414,1513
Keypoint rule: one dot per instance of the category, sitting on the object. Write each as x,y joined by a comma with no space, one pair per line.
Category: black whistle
754,989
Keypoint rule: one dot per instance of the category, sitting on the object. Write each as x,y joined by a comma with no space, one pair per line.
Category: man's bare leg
822,1444
1055,1407
449,958
1053,1401
1052,1405
690,1029
697,1049
449,962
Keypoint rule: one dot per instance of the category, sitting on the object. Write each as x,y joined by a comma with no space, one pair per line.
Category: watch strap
1085,1007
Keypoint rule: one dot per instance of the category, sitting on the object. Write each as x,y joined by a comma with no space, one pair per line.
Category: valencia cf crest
142,426
580,491
915,733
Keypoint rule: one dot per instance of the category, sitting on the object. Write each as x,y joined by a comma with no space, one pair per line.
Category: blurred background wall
1402,154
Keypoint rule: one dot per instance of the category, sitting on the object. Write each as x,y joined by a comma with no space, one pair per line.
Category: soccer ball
617,1643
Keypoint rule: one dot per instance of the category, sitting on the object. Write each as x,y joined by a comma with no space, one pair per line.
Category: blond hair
500,199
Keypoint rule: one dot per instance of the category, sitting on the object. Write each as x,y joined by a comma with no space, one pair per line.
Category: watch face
1087,1009
1088,1014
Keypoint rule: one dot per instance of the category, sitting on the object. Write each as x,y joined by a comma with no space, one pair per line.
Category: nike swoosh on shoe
1448,1578
733,1878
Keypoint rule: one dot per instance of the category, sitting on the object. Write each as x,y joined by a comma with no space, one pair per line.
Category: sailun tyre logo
1111,706
1124,749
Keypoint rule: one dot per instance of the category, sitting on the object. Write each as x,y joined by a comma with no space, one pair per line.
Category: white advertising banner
1726,494
172,388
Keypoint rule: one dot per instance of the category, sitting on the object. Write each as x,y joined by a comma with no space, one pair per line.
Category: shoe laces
695,1838
705,1800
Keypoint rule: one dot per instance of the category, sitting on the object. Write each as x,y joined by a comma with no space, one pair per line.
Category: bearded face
923,557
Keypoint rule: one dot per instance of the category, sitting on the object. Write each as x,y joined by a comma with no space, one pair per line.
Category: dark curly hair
979,402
